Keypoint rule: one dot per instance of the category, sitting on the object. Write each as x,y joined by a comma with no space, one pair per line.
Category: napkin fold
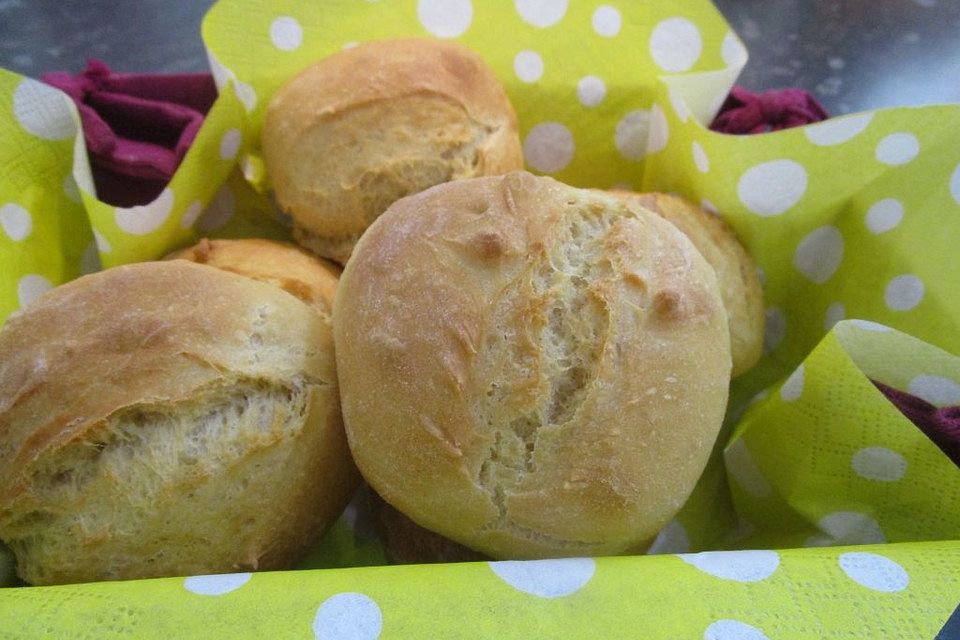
746,112
137,127
940,424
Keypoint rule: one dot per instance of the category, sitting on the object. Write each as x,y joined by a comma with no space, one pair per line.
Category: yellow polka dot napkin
888,591
852,514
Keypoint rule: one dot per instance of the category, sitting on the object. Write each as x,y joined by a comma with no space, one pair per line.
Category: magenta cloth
746,112
137,127
942,425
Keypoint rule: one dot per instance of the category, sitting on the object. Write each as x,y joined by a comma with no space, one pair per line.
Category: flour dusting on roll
529,369
736,271
356,131
167,418
298,272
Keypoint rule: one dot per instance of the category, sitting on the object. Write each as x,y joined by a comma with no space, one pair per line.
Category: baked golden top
528,368
356,131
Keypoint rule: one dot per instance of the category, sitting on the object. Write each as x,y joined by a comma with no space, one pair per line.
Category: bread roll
167,418
736,272
294,270
529,369
369,125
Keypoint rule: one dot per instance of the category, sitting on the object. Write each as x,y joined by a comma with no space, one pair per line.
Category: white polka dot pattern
775,328
819,253
679,104
221,75
591,91
936,390
772,188
218,212
676,45
607,21
700,158
884,215
144,219
43,111
348,616
90,260
245,94
870,325
546,578
732,51
673,538
836,312
549,147
216,585
103,245
191,214
659,131
528,65
874,571
70,189
445,18
955,184
739,566
879,464
792,389
16,221
632,134
904,293
838,130
286,33
898,148
542,13
744,470
82,174
847,528
728,629
230,144
30,287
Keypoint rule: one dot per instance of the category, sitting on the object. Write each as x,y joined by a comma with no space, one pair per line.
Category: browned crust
440,322
298,272
736,271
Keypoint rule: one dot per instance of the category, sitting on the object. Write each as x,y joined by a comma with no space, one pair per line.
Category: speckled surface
852,54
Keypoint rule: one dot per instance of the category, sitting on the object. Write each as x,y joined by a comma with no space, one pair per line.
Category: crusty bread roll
736,272
529,369
359,130
167,418
312,279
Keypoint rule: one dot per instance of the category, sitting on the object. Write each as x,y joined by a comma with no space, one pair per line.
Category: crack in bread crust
547,367
329,216
142,453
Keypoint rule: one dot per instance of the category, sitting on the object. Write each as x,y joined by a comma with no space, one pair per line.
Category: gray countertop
852,54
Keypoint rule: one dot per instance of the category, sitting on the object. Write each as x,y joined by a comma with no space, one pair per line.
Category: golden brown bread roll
312,279
736,272
167,418
369,125
529,369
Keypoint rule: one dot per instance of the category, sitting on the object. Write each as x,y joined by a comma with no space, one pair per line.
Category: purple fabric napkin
746,112
942,425
137,127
